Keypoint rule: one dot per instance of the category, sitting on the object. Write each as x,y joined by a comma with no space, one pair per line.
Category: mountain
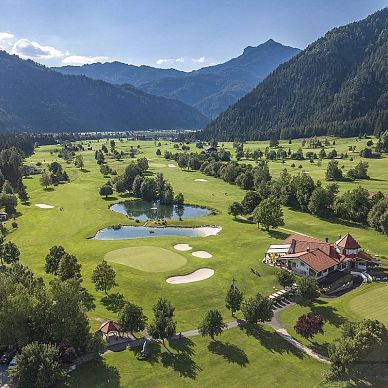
120,73
35,98
211,89
338,85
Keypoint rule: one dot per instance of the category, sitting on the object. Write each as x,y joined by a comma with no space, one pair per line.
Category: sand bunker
200,180
202,254
172,165
196,276
182,247
44,206
208,230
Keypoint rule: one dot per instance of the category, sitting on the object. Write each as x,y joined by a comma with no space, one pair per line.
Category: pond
131,232
143,210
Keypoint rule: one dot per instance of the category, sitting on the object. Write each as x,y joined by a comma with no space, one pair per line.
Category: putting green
147,258
371,304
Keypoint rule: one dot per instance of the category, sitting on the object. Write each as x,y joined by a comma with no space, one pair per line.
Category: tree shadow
109,199
84,170
181,363
329,313
113,302
271,340
48,189
94,373
182,345
230,352
154,349
277,234
243,221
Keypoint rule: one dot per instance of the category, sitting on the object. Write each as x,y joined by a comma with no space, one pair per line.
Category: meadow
240,246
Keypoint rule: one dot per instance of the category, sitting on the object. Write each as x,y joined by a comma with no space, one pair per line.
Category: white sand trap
196,276
172,165
44,206
200,180
202,254
208,230
182,247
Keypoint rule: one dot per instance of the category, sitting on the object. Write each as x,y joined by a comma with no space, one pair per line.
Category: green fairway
142,266
147,258
261,358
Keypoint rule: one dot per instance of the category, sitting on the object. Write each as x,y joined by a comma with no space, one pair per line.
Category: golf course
75,213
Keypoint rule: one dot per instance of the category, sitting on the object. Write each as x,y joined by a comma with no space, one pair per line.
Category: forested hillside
35,98
338,85
210,89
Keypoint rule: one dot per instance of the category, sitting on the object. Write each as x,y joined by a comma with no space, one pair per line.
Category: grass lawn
147,258
366,302
239,247
261,358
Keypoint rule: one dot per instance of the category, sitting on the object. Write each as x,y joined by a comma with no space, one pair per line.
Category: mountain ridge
210,89
337,86
36,98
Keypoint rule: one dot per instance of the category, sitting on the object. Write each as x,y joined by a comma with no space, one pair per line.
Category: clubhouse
308,256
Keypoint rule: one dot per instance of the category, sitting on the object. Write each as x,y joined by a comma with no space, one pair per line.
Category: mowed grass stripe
147,258
371,304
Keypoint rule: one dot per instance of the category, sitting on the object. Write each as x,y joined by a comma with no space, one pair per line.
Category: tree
106,190
79,161
148,189
179,199
37,366
132,319
257,309
53,258
120,186
158,152
308,288
250,201
69,268
286,278
9,253
104,169
378,216
163,326
22,194
353,205
269,213
104,277
45,180
308,325
233,299
235,209
142,164
212,324
333,172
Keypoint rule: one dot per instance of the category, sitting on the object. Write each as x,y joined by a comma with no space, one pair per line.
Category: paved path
280,330
274,323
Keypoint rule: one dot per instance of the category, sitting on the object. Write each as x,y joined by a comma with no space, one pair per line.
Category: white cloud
25,48
82,60
164,61
5,40
199,60
170,61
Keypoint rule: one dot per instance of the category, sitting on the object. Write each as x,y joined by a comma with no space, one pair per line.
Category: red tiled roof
347,242
301,243
109,326
300,237
316,259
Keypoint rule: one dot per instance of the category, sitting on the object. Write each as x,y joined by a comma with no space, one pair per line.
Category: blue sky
185,34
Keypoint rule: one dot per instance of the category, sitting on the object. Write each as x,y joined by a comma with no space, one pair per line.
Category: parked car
7,356
13,362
